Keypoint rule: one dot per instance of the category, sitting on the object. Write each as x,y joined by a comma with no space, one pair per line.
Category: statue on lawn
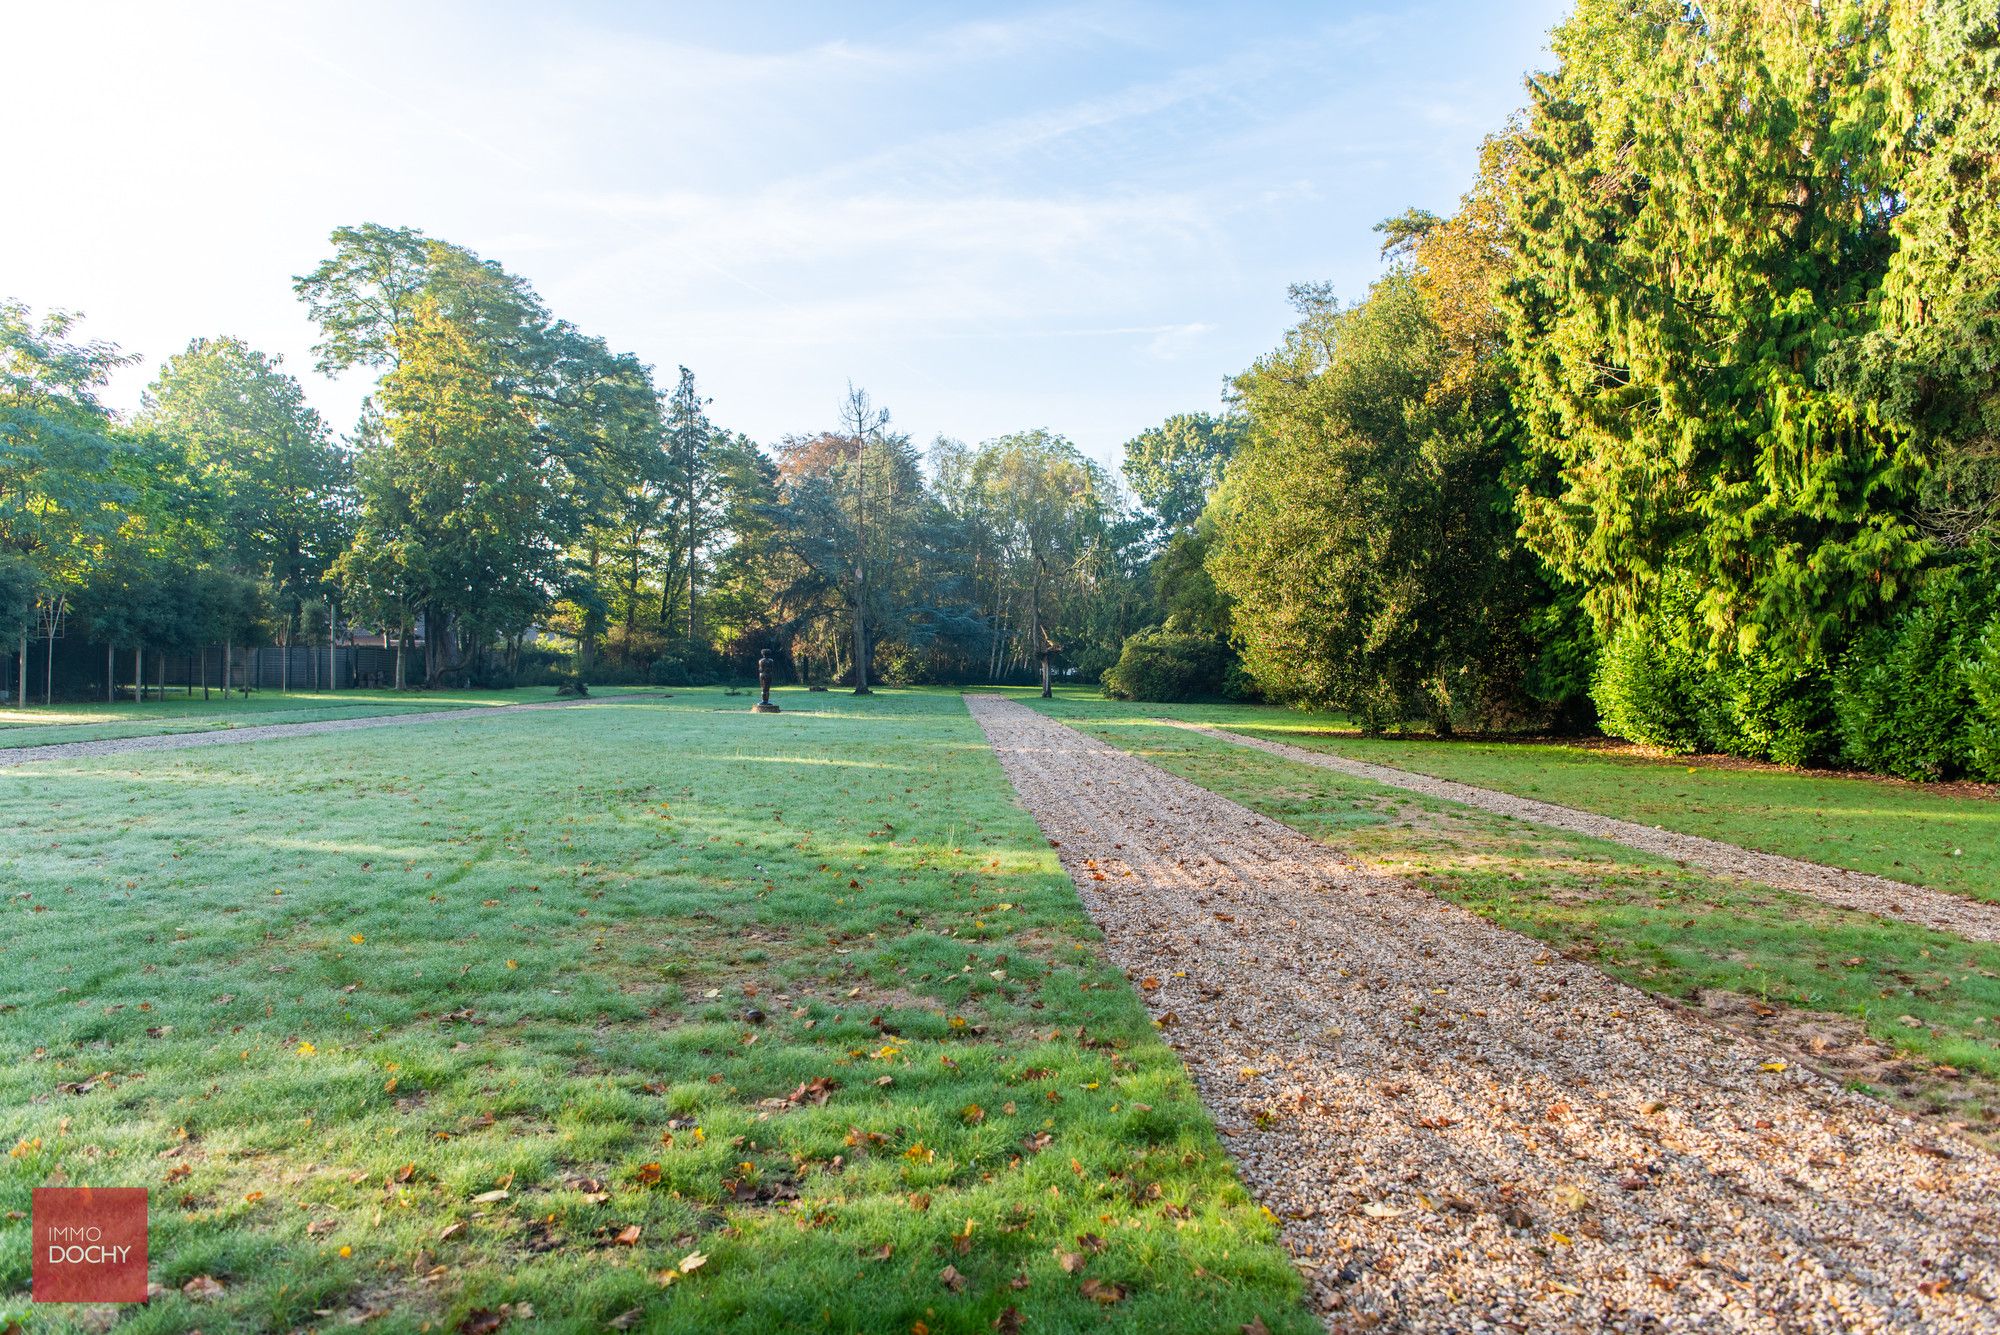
764,705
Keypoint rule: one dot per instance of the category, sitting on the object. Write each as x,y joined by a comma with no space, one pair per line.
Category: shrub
1982,679
1908,695
1780,711
1653,691
1164,665
1658,684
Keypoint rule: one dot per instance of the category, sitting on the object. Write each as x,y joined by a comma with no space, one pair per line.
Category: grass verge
1943,839
647,1012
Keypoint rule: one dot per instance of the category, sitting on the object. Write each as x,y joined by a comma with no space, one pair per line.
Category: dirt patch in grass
1840,1047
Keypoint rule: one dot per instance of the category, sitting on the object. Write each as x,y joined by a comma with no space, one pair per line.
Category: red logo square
90,1245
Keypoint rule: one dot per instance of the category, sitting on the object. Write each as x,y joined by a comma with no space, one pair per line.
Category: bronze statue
764,706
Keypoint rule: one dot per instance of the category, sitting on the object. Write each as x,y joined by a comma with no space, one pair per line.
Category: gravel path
175,741
1878,895
1460,1131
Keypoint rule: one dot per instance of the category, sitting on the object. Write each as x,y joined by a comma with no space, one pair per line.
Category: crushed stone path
1461,1131
1969,918
257,732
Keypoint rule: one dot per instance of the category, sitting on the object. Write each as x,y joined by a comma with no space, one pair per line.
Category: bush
1916,696
1779,711
669,672
1653,691
1658,684
1982,679
1164,665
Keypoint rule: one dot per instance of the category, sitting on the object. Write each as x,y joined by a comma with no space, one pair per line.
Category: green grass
37,725
321,1019
1945,840
1638,918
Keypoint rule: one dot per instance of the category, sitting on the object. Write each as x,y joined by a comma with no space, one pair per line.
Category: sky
1082,217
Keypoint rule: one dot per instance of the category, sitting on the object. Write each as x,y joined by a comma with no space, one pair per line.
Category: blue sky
1075,216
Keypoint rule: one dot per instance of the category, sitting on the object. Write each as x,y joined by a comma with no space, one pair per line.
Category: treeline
1685,420
519,501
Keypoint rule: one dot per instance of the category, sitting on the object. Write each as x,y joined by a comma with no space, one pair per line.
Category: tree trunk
402,642
332,646
138,674
204,674
694,544
110,672
21,675
49,672
159,674
227,654
861,651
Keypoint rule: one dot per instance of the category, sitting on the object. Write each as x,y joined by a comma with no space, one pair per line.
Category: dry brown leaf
203,1289
1100,1291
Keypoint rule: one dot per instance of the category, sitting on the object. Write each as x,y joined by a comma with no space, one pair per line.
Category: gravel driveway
1460,1131
1878,895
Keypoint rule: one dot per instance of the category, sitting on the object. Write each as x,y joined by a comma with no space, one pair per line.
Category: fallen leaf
951,1279
1098,1290
628,1236
1071,1262
490,1197
203,1288
690,1263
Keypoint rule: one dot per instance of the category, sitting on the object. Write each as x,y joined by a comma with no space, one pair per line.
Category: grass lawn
649,1007
1930,996
40,726
1944,840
